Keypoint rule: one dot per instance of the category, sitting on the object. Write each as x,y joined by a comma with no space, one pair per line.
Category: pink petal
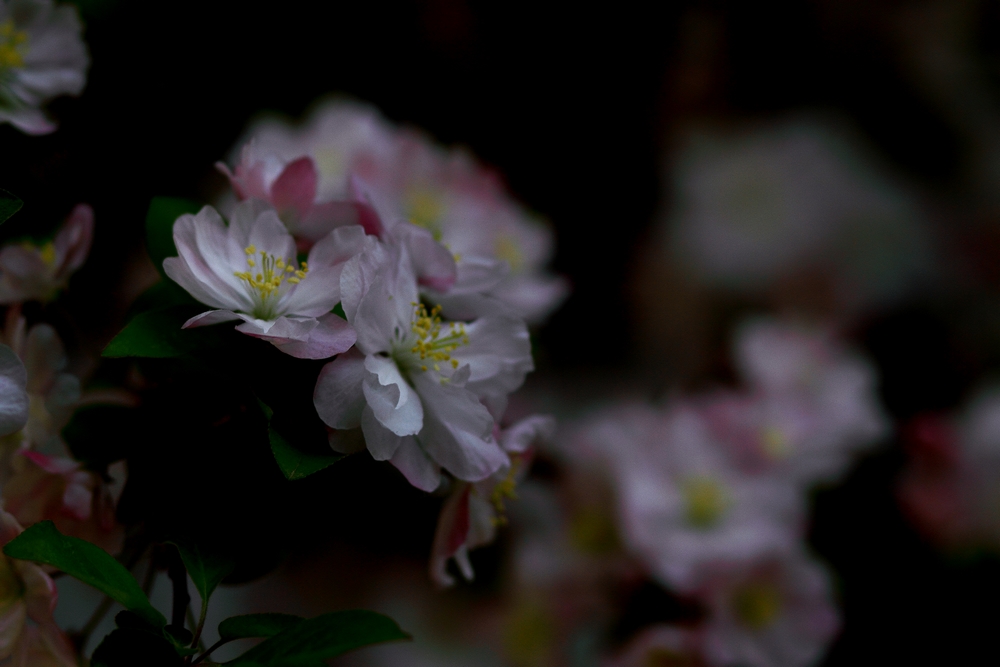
210,317
452,531
73,241
295,189
330,337
51,464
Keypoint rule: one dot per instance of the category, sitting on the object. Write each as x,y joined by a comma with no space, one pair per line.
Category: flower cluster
711,493
347,165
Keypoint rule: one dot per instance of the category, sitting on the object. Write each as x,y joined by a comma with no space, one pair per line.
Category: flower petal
391,399
210,317
381,442
295,189
338,397
418,468
331,335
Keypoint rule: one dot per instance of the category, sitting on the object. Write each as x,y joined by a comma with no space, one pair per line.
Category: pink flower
248,271
29,636
472,513
665,645
29,272
774,612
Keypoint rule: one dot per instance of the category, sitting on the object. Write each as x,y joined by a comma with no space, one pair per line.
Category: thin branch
209,651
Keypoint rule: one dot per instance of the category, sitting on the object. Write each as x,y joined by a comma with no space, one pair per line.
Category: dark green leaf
206,569
9,205
160,218
158,334
162,295
338,310
42,543
256,625
295,463
129,647
321,638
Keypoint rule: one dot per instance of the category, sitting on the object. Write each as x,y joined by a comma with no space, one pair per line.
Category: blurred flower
750,210
29,272
662,646
13,397
682,502
776,612
405,176
40,480
811,405
472,513
421,389
28,594
42,56
248,271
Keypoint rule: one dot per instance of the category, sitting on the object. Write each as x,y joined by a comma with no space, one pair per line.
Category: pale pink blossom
42,56
13,397
31,272
665,645
248,271
29,636
405,176
425,391
772,612
472,513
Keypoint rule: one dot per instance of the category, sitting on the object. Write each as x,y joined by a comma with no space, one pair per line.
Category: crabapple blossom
661,645
812,404
682,501
29,272
472,513
772,612
27,593
42,56
13,397
404,175
248,271
424,391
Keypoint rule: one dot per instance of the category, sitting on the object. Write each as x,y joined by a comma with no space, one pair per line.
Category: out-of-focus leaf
160,218
256,625
9,205
310,642
206,569
163,294
80,559
295,463
158,334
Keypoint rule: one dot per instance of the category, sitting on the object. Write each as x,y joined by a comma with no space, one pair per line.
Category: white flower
657,645
420,387
775,612
29,272
752,208
13,397
812,403
42,56
249,272
472,513
406,176
682,501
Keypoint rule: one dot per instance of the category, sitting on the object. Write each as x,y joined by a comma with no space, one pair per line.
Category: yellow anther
706,501
251,250
504,490
454,363
294,281
423,368
757,605
252,262
48,253
12,42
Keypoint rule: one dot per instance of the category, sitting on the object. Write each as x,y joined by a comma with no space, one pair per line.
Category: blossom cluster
711,494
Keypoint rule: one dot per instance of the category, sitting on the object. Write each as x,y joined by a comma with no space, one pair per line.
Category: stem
194,623
201,623
209,651
178,575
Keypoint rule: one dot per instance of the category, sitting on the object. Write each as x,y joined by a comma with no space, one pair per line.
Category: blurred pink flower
13,397
471,514
42,56
29,272
661,646
774,612
682,501
248,271
29,636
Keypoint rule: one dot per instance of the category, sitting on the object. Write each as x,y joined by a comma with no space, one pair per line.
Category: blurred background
699,162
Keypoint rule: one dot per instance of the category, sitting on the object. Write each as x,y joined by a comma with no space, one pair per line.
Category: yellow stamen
13,44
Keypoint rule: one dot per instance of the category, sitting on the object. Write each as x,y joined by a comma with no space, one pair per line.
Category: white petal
13,398
521,435
416,466
210,317
338,397
391,399
381,442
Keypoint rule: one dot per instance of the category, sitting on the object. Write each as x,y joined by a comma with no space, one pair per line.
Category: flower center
757,605
504,490
429,347
12,44
508,250
775,443
424,209
265,277
706,501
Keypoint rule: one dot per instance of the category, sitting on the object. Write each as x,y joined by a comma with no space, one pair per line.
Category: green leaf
294,463
321,638
160,218
42,543
206,569
9,204
256,625
158,334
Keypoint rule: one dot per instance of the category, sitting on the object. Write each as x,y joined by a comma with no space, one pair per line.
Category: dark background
574,105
